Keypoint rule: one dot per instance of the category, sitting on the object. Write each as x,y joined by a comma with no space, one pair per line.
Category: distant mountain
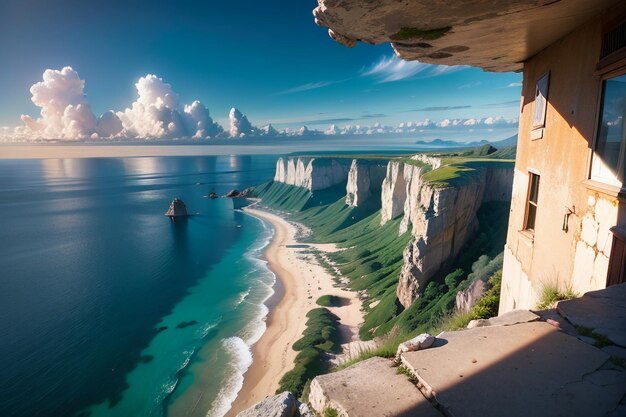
512,141
441,143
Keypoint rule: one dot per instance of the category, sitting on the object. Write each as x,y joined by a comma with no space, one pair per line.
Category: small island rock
177,209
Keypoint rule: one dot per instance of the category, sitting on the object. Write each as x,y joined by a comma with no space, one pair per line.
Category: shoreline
302,281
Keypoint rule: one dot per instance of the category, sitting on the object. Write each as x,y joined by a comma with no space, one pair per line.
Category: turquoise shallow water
109,309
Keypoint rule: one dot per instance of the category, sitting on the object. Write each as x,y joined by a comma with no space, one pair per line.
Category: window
610,148
531,205
540,106
541,101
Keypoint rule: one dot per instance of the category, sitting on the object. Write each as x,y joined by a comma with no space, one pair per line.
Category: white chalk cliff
364,178
393,194
314,174
441,219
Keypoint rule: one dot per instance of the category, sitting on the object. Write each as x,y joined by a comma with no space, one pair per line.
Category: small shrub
403,370
551,295
376,266
320,336
453,278
432,290
330,301
488,305
330,412
455,321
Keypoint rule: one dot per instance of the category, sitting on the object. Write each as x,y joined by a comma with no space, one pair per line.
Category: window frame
613,187
538,125
531,174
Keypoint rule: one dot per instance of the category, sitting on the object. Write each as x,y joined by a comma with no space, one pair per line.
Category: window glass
608,161
541,102
531,206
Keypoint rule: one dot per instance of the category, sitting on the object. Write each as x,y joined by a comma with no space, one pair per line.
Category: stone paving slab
604,311
516,371
507,319
371,388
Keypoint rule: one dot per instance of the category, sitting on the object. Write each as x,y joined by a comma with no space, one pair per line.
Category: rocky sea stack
177,209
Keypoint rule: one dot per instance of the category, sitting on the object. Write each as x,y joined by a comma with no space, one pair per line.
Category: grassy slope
478,260
455,171
320,336
372,258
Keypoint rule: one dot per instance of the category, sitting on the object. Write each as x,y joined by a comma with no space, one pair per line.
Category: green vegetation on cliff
480,258
331,301
371,260
321,336
456,171
373,257
296,199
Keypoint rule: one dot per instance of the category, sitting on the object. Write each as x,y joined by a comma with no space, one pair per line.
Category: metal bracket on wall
568,213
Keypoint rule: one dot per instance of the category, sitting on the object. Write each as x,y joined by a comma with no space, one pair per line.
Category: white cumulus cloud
109,124
197,119
239,124
65,113
155,112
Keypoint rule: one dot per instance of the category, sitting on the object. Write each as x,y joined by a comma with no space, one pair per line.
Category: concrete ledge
367,389
518,371
603,311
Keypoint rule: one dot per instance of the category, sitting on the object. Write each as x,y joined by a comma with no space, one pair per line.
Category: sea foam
240,361
239,347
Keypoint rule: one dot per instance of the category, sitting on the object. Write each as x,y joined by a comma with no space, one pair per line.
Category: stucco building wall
577,258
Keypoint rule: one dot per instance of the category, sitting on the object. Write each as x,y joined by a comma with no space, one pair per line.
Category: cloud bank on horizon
66,114
157,113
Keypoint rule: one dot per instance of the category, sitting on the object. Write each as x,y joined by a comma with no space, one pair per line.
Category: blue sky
268,59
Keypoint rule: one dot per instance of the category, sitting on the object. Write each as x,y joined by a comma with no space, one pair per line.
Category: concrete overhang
496,35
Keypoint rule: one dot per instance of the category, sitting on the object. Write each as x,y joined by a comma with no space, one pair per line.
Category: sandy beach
301,280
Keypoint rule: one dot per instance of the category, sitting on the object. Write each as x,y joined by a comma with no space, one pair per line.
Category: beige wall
577,258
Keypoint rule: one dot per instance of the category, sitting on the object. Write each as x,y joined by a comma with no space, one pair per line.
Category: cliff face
393,194
363,178
466,299
499,184
310,173
442,219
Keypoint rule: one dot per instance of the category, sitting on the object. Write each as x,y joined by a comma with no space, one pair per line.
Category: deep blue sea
108,308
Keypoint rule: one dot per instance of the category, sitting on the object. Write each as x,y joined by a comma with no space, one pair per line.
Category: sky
269,60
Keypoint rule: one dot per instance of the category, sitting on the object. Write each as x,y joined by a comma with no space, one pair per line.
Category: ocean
107,307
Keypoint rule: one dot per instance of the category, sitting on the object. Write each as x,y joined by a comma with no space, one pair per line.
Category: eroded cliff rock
364,178
279,405
441,218
314,174
466,299
433,161
488,34
393,193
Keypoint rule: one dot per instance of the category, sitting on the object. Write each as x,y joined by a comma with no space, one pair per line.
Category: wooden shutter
617,261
